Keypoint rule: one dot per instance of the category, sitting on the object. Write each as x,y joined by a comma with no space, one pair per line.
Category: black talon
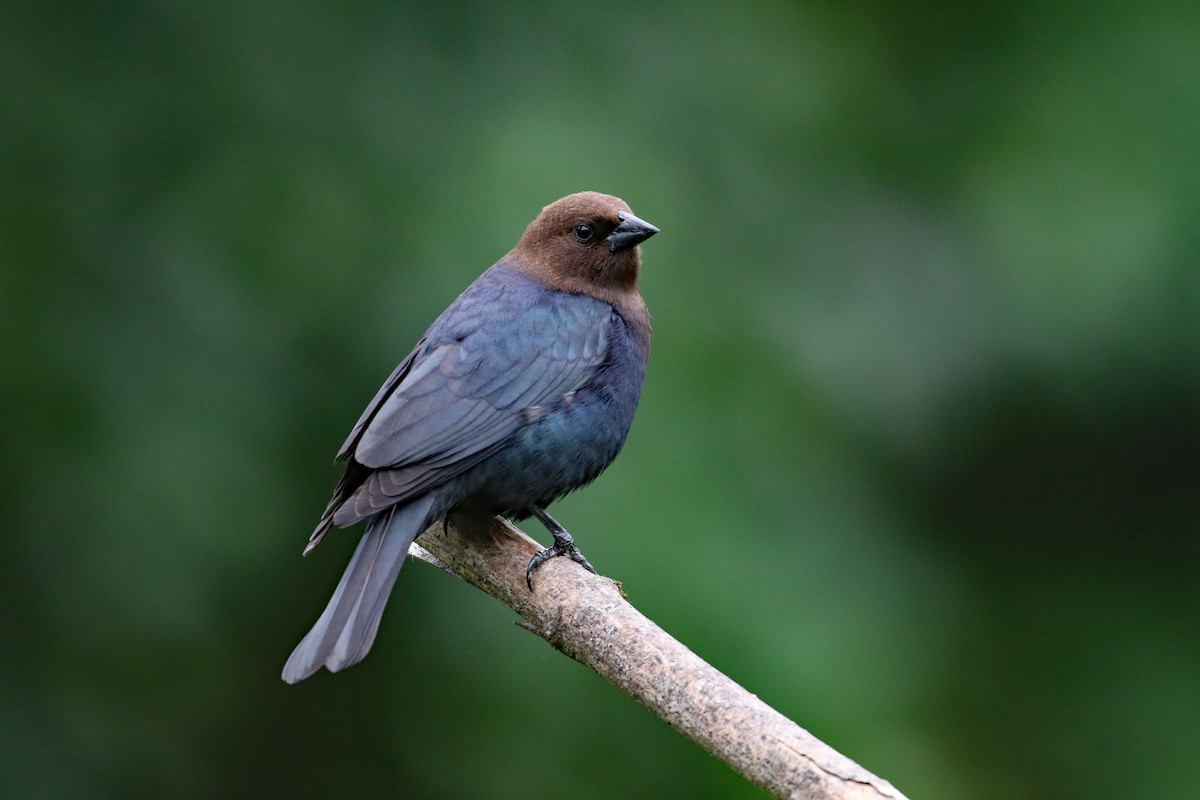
563,545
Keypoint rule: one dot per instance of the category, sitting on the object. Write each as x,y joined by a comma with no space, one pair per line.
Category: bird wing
460,397
385,391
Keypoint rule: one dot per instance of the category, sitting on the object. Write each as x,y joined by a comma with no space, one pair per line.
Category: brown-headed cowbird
520,392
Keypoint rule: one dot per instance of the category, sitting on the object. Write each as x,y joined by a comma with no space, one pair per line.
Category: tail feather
343,634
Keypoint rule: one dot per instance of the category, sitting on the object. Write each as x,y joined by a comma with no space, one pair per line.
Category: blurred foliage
918,459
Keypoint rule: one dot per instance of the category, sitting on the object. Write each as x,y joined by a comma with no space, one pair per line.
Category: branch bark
586,617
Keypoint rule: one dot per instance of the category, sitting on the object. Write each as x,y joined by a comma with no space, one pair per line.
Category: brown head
587,243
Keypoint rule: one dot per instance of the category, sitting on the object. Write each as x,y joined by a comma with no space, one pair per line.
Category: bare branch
585,617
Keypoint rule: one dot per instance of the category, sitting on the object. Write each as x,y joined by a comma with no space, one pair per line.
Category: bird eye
584,232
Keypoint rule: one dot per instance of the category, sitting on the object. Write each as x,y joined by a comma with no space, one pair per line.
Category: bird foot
563,545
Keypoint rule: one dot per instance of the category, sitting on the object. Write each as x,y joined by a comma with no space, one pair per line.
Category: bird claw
563,545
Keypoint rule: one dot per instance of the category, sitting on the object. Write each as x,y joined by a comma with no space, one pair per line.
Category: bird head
586,243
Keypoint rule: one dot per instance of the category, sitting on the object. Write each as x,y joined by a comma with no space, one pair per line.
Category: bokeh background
918,457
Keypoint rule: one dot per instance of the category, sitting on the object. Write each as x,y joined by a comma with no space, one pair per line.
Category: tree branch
585,617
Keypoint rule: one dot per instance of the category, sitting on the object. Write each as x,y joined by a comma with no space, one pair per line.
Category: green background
917,461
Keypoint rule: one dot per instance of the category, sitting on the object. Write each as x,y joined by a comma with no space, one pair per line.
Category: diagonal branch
585,617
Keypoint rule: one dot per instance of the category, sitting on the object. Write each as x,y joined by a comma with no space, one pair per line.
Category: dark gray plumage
520,392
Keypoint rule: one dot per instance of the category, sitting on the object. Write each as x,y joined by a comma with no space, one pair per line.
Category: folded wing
463,393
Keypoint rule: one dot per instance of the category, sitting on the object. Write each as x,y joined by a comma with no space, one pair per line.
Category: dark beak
630,232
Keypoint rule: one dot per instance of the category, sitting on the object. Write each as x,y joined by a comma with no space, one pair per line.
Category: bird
521,391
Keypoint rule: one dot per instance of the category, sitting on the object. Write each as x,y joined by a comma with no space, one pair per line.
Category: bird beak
630,232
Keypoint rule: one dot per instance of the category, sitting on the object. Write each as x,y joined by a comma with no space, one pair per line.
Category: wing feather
461,394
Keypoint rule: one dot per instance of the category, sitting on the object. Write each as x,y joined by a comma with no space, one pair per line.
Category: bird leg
563,545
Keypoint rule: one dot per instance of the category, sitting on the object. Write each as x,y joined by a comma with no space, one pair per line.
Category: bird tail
346,629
